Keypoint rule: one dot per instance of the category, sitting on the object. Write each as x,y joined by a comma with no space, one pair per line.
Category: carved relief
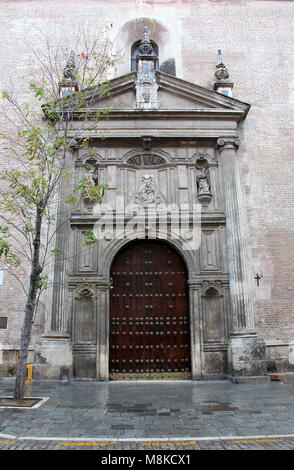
147,192
216,285
202,159
85,292
88,158
146,160
146,90
147,156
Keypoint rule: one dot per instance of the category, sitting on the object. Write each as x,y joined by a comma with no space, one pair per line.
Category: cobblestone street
186,415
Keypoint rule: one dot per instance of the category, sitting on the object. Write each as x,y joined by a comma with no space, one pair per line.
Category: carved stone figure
92,171
203,182
147,192
94,174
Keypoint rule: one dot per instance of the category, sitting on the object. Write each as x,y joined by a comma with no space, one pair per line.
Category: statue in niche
94,174
203,182
203,187
90,190
92,171
147,192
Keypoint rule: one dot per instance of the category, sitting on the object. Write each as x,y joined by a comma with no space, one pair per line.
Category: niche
213,318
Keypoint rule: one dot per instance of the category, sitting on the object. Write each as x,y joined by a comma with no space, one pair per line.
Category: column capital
224,143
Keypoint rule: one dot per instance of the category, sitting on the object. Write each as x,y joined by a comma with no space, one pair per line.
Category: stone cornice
207,219
137,113
212,124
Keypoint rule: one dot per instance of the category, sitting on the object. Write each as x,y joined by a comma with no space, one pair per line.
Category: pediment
174,94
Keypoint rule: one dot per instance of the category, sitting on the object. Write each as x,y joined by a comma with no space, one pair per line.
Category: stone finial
146,83
70,68
221,70
69,83
145,47
222,84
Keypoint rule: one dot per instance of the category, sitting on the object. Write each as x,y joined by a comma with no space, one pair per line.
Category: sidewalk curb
7,436
148,439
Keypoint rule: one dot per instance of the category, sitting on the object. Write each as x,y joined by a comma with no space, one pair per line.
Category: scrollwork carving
223,143
216,285
147,192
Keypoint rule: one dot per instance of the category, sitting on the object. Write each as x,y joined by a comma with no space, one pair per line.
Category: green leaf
90,238
70,199
43,282
109,283
4,248
56,250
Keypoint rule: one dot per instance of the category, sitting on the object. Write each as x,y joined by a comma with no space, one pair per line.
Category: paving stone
175,410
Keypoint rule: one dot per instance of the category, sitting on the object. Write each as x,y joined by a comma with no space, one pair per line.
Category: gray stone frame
214,118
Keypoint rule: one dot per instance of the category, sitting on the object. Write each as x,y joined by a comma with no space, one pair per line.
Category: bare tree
39,139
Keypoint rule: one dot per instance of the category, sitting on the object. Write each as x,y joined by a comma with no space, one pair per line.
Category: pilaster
195,329
102,370
53,353
246,351
242,315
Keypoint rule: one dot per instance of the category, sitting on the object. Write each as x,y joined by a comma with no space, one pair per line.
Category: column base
246,355
53,357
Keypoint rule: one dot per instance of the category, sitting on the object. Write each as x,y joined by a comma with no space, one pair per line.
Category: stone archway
149,335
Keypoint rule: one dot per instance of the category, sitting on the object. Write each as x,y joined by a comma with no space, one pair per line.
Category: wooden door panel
149,314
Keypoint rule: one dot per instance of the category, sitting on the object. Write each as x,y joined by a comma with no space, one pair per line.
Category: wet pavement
151,415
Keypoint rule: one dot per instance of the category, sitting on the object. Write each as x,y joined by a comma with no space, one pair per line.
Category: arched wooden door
149,314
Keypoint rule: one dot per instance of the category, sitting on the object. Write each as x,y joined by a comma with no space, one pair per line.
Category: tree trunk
24,348
29,312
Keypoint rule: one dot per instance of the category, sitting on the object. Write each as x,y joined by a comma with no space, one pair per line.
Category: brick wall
258,48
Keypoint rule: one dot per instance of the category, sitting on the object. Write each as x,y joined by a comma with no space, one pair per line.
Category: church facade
183,282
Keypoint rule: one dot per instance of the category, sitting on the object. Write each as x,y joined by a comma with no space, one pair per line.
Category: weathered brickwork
256,38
